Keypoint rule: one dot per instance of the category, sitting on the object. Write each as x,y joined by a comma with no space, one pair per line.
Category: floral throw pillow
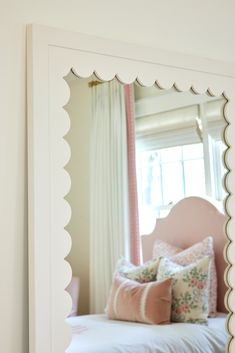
190,255
146,272
189,289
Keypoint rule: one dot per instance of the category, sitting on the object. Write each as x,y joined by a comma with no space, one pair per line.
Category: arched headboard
191,220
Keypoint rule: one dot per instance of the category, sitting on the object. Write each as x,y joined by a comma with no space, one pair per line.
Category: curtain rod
94,83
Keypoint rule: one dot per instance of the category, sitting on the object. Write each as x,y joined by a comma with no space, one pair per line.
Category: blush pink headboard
189,221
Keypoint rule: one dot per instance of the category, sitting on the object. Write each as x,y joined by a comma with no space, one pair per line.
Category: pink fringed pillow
149,303
190,255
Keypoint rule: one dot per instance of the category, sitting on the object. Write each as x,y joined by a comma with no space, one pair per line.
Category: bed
190,221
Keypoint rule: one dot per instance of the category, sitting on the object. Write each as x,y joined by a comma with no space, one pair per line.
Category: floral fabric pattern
188,256
189,289
142,274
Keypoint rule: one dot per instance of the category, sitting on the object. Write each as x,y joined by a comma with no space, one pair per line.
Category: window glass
167,175
171,154
194,177
172,182
194,151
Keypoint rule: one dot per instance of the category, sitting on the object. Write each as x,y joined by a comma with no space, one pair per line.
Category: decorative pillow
149,303
189,289
163,249
190,255
142,274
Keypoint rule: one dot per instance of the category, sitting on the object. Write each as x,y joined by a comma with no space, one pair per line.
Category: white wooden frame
51,54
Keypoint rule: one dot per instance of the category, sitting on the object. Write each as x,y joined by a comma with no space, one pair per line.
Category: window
179,153
165,176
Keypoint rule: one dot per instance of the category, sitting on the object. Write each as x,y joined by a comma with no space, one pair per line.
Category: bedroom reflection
179,149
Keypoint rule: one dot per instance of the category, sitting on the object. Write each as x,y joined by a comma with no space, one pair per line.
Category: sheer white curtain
109,227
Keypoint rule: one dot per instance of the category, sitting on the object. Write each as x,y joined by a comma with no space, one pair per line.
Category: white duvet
97,334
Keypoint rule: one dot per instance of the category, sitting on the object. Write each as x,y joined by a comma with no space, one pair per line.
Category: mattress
97,334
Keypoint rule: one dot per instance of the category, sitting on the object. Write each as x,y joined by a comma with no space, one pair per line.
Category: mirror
179,153
51,55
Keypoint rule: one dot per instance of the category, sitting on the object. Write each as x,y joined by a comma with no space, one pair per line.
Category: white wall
203,28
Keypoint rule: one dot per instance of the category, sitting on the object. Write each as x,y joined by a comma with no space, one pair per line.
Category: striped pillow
140,302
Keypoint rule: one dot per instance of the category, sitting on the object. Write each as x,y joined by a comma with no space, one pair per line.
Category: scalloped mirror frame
52,53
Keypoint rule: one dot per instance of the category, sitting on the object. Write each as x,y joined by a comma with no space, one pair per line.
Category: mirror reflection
177,134
147,217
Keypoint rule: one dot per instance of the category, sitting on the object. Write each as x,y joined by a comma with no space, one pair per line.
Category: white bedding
97,334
